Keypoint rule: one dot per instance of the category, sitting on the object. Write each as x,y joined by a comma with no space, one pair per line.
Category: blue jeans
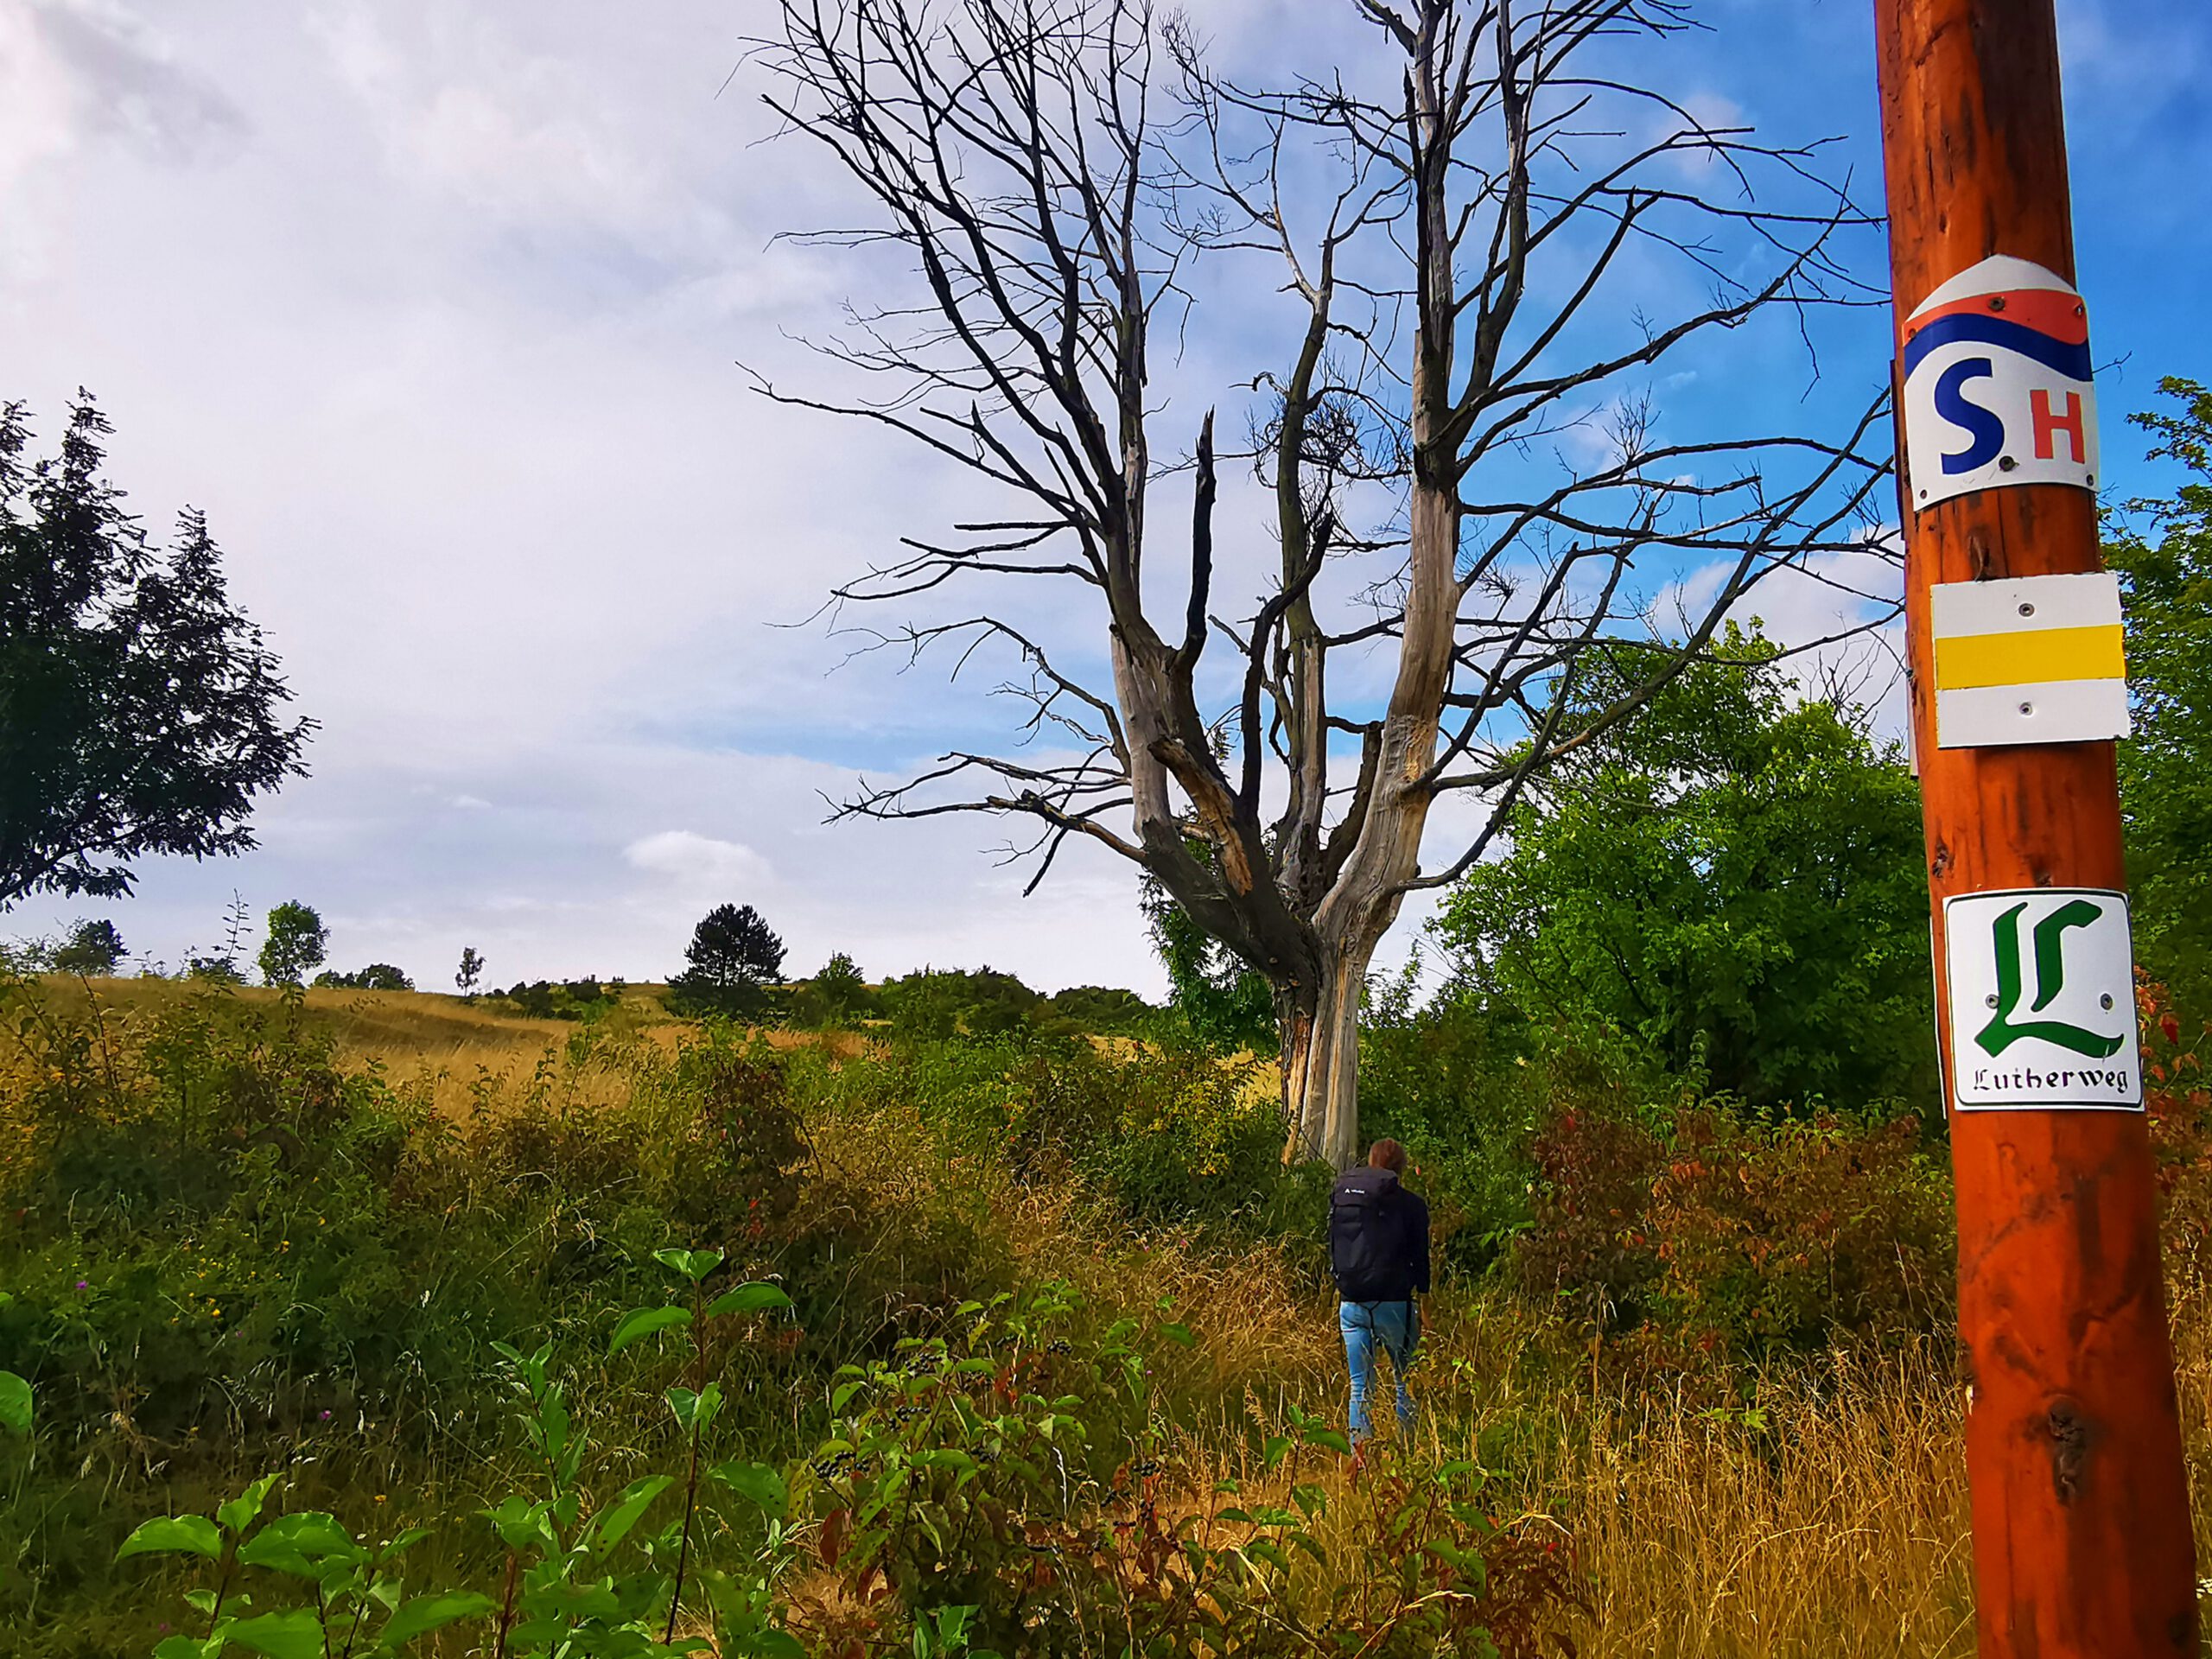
1368,1326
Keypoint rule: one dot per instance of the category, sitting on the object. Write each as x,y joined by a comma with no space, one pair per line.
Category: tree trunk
1320,1060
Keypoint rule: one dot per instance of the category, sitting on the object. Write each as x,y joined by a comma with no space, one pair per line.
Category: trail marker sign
2028,659
2042,999
1997,385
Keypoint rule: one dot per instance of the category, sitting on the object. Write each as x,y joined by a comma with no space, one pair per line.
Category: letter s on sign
1985,426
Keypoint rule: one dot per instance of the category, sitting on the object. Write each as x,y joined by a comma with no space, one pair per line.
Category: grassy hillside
1058,1349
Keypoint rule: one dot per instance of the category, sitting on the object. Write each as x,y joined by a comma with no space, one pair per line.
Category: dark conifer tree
735,957
140,712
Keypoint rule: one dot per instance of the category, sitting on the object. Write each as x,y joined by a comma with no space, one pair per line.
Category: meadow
849,1342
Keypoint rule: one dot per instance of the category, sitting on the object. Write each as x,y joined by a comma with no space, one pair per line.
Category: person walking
1379,1250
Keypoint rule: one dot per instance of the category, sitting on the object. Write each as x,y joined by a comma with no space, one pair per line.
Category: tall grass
1812,1508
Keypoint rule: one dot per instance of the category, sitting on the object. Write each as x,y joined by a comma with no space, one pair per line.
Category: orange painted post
2082,1537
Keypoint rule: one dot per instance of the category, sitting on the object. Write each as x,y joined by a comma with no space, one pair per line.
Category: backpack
1367,1243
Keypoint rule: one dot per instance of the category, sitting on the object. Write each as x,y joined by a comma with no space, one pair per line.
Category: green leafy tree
93,948
835,997
1096,1010
840,981
2165,561
376,976
1223,1002
297,944
1729,889
140,712
936,1002
734,957
471,972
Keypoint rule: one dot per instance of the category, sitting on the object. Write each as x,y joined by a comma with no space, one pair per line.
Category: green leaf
769,1644
1179,1335
427,1613
843,1392
644,1322
694,1265
1272,1452
187,1535
239,1514
749,1298
15,1403
613,1524
519,1522
301,1544
695,1413
1334,1439
186,1646
297,1633
758,1482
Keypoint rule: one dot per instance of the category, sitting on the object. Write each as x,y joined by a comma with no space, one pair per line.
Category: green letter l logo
2002,1032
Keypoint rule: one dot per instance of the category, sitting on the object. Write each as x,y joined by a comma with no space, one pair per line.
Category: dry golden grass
464,1054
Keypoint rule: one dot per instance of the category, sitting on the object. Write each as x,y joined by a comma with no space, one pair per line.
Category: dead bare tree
1458,283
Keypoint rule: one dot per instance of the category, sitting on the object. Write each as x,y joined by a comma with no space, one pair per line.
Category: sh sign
2042,987
1997,385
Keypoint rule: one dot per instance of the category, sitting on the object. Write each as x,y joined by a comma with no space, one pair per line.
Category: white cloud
697,860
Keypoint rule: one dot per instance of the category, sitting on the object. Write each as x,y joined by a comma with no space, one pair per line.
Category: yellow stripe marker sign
2035,660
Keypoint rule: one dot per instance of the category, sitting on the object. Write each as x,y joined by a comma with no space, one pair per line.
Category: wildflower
80,1284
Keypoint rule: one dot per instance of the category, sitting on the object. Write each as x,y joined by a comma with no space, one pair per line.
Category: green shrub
1784,1236
574,998
1745,1237
1587,1245
1454,1081
1163,1133
935,1004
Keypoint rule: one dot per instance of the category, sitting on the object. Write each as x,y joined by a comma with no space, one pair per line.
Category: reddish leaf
834,1531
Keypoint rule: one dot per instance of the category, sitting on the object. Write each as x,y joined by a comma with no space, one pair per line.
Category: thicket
950,1415
233,1258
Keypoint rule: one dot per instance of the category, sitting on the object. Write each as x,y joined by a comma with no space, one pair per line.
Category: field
1077,1300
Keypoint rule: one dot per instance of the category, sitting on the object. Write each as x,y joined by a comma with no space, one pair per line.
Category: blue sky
435,309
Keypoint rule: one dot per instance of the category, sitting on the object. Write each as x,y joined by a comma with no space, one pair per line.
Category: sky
437,309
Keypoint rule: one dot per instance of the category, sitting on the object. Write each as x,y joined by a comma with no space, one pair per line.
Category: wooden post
2082,1535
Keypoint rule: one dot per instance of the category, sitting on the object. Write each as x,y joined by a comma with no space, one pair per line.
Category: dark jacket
1378,1237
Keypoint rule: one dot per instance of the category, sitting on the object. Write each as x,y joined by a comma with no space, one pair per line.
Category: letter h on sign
2048,425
